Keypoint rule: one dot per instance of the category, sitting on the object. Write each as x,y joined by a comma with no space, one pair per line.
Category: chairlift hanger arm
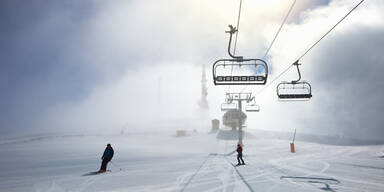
231,31
251,99
298,71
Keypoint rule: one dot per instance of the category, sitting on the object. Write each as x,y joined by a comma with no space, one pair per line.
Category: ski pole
116,165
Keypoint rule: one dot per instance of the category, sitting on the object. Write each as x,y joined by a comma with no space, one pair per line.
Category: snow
163,162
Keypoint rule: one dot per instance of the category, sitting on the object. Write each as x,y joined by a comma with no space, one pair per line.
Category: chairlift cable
331,29
237,33
310,48
277,34
277,77
278,31
237,27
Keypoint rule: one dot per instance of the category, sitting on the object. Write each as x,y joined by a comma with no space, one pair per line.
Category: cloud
58,52
94,65
154,98
344,70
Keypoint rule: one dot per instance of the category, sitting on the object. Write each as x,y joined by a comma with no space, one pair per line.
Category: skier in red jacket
240,154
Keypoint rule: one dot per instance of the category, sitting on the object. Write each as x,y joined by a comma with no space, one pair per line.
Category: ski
96,172
237,165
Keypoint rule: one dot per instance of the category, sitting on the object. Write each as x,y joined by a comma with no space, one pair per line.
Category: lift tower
239,97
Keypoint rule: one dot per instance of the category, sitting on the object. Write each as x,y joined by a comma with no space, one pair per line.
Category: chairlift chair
228,106
252,108
289,90
237,70
295,90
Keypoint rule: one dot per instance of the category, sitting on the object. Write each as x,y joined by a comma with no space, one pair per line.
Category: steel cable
277,34
310,48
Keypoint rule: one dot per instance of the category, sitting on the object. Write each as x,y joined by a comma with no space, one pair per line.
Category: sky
102,66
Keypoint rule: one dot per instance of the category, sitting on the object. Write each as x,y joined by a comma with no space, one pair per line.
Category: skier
107,156
240,154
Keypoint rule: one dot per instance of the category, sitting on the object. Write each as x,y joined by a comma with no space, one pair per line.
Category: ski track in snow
174,165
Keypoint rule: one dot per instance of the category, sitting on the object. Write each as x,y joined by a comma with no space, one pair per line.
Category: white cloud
136,43
344,70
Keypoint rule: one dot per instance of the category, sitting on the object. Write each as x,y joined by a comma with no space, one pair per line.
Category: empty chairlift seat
228,106
252,108
240,72
294,91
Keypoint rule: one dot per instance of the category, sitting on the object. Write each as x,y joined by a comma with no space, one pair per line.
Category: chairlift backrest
240,72
228,106
297,91
252,108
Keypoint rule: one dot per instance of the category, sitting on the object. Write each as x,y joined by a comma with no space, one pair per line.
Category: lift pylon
239,98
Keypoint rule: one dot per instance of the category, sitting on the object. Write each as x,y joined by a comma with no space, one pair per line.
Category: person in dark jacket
240,154
107,157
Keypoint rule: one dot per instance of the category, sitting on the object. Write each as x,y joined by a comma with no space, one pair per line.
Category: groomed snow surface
163,162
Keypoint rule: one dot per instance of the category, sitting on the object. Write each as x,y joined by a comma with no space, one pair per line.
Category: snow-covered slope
162,162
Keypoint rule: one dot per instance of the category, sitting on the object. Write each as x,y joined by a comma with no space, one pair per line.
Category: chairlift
239,71
228,106
252,108
295,90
